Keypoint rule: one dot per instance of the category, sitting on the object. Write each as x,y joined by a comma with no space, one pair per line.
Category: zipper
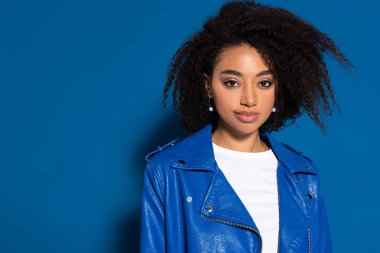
309,238
236,225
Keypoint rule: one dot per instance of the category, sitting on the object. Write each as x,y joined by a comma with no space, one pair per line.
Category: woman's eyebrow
263,73
231,72
237,73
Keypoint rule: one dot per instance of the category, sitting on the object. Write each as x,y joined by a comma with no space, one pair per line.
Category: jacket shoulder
165,154
158,164
306,172
298,161
297,153
161,149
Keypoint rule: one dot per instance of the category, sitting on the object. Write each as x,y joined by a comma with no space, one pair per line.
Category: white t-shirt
253,176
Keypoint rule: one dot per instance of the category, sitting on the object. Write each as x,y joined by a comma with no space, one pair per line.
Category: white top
253,176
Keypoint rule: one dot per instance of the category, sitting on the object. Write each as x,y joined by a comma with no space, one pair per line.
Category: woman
230,186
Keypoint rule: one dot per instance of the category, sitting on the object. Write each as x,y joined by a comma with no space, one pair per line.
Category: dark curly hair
292,49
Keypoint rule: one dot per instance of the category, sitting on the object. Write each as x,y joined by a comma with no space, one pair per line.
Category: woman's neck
238,142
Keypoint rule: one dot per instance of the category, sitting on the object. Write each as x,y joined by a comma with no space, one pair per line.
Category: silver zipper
236,225
309,238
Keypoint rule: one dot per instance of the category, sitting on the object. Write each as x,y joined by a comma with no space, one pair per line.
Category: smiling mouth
247,117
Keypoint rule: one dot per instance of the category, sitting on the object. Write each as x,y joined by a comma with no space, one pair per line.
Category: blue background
80,105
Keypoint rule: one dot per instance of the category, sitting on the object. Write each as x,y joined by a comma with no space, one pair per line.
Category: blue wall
80,96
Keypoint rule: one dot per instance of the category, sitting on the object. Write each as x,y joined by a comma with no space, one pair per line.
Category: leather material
189,206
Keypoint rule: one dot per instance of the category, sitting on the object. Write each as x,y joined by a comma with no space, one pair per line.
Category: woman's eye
231,83
265,83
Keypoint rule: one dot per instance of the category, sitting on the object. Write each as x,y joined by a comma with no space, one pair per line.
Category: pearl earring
274,109
210,108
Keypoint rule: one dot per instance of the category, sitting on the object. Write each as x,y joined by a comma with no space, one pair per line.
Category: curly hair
292,49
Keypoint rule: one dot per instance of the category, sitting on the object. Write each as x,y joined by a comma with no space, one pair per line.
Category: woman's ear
207,83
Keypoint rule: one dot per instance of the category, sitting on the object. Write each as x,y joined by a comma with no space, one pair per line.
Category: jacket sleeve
152,216
319,228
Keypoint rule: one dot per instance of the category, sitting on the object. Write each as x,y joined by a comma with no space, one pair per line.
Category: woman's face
243,90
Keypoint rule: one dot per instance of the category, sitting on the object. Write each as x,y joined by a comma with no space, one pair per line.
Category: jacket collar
196,153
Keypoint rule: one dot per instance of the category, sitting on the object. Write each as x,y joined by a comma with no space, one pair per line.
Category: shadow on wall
161,133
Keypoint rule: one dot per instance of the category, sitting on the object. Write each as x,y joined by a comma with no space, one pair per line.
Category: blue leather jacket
189,206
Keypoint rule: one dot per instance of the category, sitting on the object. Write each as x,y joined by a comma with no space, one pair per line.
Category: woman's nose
248,97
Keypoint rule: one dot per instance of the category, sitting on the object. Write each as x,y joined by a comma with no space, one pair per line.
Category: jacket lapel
221,203
294,206
294,210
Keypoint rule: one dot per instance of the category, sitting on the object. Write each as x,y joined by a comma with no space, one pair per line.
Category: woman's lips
246,117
